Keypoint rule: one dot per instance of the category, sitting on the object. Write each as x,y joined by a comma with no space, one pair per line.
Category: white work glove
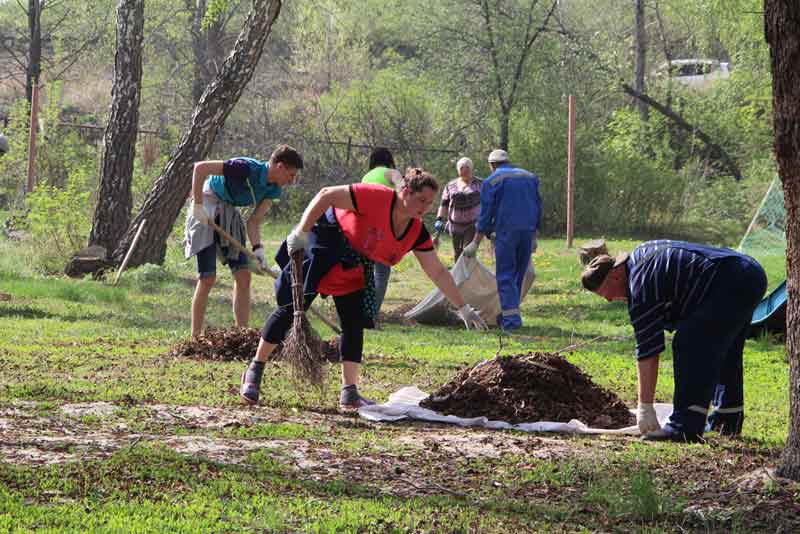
296,240
646,418
199,213
470,250
276,271
262,259
471,318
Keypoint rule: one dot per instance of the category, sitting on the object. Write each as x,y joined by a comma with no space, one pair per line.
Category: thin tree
782,30
641,56
208,47
485,47
114,199
34,66
169,193
31,47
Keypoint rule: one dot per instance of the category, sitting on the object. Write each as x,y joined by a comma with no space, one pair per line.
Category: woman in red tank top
343,229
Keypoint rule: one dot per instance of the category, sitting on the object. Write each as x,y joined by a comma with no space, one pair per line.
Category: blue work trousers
512,252
708,345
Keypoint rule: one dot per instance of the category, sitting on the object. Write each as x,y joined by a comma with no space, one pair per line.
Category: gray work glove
296,240
275,270
470,250
471,318
262,259
199,213
646,418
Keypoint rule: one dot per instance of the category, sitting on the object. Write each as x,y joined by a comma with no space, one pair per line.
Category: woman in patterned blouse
461,204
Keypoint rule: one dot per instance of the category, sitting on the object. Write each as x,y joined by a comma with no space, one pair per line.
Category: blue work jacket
510,201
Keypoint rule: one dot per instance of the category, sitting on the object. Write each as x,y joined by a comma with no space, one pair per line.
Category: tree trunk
505,120
165,200
782,29
113,210
34,48
641,50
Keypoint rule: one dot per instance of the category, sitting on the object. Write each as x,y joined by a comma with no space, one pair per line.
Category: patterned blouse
463,205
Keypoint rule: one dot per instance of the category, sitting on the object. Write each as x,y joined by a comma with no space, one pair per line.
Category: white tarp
478,286
404,404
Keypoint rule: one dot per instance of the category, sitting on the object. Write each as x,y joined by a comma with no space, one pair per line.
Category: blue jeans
382,273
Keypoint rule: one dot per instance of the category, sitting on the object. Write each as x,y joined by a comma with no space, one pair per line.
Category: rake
302,348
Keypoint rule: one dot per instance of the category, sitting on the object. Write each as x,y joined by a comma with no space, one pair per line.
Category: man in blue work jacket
707,296
511,208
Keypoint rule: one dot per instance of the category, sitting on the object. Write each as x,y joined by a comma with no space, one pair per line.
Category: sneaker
350,399
251,382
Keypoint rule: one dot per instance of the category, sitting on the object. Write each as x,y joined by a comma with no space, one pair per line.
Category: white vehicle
696,73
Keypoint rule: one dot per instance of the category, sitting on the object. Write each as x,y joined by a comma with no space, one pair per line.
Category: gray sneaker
349,399
251,382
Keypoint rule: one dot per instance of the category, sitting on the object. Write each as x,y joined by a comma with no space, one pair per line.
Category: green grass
65,341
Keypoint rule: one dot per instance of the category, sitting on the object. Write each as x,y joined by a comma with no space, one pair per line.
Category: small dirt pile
237,344
528,388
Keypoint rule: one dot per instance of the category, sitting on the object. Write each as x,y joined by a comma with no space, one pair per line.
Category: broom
302,348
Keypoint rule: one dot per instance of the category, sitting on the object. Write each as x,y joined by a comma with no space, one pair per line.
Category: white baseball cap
498,156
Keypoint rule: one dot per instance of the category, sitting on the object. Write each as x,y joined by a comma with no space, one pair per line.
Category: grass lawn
100,431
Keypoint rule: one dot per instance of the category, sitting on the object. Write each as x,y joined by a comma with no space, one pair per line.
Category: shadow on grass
25,312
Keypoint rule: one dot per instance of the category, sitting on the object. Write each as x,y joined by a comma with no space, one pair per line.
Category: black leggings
349,309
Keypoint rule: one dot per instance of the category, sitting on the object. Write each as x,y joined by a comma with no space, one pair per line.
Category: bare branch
528,45
714,150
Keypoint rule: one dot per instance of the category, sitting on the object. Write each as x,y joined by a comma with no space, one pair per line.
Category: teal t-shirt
244,182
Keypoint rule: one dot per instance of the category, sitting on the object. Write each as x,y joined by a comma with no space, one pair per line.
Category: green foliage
149,277
58,222
14,164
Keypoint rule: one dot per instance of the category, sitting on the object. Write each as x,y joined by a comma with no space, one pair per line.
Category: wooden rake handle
241,248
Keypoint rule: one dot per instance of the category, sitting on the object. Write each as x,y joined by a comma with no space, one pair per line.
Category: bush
59,221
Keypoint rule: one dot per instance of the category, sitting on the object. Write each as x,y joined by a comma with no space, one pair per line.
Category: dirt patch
526,388
397,315
236,344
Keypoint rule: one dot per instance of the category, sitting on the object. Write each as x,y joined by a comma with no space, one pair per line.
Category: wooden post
32,138
571,172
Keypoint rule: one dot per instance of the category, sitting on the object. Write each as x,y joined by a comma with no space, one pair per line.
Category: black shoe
666,434
350,399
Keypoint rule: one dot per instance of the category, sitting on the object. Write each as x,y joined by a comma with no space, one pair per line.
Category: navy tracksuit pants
708,345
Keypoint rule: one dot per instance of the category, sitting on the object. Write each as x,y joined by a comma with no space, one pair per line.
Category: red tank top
368,229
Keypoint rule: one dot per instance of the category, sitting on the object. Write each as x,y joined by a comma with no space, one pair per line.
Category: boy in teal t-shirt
218,188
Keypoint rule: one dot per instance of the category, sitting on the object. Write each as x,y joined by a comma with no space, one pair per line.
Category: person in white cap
460,206
511,207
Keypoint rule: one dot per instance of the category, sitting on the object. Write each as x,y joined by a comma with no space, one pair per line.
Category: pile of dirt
528,388
236,344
